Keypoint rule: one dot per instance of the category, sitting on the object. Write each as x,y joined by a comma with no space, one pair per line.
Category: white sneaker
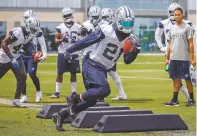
17,103
38,96
23,99
119,98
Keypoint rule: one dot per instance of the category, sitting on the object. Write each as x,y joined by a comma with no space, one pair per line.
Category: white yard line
129,77
134,63
139,71
141,54
148,78
123,71
29,105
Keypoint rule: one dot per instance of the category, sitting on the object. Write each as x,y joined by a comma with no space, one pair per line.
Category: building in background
148,13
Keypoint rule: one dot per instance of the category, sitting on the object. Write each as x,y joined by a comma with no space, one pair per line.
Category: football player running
27,55
65,35
10,57
109,40
107,14
163,27
93,23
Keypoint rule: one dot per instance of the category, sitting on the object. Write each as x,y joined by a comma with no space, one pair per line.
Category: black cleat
190,103
72,102
58,121
171,103
55,95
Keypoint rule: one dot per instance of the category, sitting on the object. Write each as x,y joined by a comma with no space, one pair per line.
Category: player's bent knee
105,90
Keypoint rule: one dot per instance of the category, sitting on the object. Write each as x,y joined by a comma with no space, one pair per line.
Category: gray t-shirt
179,35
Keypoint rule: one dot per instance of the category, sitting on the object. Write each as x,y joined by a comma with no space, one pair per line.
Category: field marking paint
148,78
121,63
123,71
29,105
141,54
141,71
124,77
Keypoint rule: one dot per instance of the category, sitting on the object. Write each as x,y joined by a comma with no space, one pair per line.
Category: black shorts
64,66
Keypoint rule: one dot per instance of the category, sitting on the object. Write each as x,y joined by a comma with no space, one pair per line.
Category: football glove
64,38
163,49
43,58
82,31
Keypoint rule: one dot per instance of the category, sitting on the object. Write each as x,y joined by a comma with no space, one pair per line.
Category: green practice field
145,82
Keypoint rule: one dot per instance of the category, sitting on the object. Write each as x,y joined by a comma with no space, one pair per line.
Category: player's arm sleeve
91,39
158,34
42,43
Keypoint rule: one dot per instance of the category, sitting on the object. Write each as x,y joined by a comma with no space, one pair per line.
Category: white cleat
23,99
119,98
17,103
38,96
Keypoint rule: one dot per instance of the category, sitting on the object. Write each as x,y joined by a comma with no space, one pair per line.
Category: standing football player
107,14
93,23
10,57
109,41
30,65
164,27
65,35
180,54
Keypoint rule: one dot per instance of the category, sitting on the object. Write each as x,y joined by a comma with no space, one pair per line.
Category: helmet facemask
27,14
94,14
171,15
125,19
68,19
171,9
32,26
107,15
67,15
95,19
126,25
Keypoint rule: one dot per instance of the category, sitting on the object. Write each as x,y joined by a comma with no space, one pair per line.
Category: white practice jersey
39,39
18,36
108,50
91,28
164,27
70,31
